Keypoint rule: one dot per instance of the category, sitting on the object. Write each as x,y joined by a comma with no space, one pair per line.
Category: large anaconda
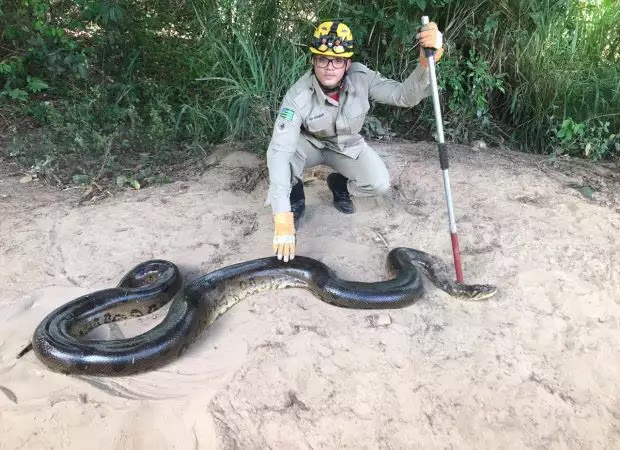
59,343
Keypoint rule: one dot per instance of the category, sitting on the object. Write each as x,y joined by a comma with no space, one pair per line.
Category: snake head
477,292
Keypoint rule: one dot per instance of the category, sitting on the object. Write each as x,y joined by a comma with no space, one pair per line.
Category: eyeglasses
322,62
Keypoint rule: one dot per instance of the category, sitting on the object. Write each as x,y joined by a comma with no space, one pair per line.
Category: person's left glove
430,37
284,235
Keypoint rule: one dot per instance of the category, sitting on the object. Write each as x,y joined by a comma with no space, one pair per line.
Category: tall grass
244,64
247,83
566,67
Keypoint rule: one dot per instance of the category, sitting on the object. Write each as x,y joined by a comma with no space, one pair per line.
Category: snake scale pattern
59,341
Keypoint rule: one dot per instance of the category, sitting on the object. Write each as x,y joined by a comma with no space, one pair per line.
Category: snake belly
59,342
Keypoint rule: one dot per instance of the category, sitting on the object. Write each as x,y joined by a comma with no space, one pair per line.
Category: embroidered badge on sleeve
287,114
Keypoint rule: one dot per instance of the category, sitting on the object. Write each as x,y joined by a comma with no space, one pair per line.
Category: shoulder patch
287,114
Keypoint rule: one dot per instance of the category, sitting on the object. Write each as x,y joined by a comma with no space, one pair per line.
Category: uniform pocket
321,125
356,113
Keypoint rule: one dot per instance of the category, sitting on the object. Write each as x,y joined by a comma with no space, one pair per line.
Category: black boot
298,201
342,200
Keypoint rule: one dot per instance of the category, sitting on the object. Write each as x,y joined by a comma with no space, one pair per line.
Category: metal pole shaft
443,159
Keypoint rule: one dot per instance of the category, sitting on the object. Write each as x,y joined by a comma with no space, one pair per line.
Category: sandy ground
537,366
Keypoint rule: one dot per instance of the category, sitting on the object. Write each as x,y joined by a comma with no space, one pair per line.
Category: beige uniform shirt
306,112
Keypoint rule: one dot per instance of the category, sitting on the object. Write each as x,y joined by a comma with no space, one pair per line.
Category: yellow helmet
332,38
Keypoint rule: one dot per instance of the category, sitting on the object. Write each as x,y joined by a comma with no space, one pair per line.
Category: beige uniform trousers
366,172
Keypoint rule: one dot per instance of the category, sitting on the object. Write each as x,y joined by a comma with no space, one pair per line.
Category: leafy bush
591,139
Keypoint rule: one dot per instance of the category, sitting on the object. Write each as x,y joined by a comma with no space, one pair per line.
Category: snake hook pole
443,158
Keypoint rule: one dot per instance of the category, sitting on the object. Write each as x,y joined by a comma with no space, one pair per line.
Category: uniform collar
317,89
348,87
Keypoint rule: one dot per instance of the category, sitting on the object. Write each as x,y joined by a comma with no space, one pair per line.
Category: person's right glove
284,235
430,37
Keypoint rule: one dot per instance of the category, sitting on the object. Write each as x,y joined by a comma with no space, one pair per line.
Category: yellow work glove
284,235
430,37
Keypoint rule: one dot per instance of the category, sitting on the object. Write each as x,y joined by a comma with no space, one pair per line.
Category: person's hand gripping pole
431,42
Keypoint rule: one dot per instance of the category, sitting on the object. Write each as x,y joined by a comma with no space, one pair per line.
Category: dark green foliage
144,84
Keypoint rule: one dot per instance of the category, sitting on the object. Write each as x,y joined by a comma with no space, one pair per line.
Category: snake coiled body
60,344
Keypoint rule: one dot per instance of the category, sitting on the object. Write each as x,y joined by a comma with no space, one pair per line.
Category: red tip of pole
457,257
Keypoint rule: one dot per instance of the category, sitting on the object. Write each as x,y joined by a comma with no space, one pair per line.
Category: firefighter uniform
312,129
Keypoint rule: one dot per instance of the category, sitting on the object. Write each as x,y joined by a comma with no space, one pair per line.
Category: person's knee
378,186
375,174
381,186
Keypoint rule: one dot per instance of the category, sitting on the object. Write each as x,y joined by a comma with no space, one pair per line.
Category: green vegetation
108,88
